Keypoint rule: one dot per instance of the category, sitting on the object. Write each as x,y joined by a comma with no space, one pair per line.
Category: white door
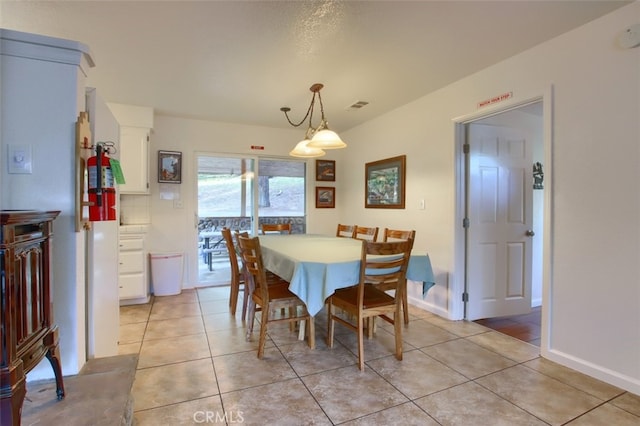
500,196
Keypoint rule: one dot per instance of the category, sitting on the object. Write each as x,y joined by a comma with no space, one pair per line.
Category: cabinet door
134,159
132,286
132,277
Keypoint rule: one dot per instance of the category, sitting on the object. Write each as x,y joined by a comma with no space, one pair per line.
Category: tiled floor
196,367
523,327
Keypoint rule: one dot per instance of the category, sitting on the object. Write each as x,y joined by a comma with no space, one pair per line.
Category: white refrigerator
102,300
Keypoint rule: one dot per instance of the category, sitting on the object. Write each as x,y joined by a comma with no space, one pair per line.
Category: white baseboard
614,378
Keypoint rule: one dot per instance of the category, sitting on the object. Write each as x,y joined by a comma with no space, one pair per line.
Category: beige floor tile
578,380
218,306
185,296
283,403
174,310
200,411
170,384
307,361
407,414
506,346
232,340
194,362
422,333
628,402
381,345
134,313
415,312
222,321
213,293
129,348
280,333
167,351
459,328
131,333
169,328
244,370
606,414
417,374
348,393
470,404
467,358
548,399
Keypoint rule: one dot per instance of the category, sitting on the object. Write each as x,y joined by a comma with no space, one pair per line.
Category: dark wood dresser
27,334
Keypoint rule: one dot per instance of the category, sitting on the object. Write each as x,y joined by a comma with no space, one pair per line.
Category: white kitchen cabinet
132,271
134,159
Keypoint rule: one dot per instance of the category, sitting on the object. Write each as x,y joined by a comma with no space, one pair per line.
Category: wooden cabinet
134,159
27,334
132,275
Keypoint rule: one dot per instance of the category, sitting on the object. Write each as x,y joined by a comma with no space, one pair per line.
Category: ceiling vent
357,105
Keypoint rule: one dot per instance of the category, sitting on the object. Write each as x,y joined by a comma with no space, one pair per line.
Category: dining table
317,265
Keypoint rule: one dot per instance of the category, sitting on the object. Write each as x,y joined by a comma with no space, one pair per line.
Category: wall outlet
177,204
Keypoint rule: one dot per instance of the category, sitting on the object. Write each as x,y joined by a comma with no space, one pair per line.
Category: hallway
523,327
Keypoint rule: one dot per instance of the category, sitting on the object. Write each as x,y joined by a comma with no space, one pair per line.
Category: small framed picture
325,197
326,170
169,167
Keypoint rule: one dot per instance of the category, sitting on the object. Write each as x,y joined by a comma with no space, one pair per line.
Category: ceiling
241,61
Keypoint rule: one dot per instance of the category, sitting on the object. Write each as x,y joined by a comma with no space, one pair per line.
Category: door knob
530,233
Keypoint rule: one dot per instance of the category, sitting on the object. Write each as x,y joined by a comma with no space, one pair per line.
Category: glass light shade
326,139
303,150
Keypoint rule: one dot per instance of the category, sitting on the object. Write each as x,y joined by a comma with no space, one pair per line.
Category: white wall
593,290
42,94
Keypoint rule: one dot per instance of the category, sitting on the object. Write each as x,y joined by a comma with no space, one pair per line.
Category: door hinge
465,222
465,297
466,148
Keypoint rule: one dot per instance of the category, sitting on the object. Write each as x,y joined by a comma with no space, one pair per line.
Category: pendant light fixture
318,139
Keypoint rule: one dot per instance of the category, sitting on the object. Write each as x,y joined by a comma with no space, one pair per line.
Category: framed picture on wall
384,183
326,170
325,197
169,167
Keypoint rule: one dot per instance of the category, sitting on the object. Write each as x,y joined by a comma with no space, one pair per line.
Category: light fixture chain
307,115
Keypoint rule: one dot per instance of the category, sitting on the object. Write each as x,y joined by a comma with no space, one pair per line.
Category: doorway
503,215
240,193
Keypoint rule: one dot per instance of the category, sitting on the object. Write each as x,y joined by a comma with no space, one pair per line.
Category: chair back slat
366,233
233,255
348,231
397,234
385,263
251,255
281,228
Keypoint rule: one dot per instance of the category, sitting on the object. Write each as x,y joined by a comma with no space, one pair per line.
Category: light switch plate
19,159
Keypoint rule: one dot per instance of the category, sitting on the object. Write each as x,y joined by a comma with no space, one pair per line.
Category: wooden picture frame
384,183
169,167
326,170
325,197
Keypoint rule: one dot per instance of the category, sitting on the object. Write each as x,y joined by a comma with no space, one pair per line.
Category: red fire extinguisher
102,192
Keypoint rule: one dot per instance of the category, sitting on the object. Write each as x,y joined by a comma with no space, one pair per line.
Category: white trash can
166,273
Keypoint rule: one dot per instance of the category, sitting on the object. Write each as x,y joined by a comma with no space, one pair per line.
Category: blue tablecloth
317,265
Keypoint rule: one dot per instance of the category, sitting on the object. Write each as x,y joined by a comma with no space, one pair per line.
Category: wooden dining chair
364,301
348,231
271,297
366,233
237,279
281,228
400,235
